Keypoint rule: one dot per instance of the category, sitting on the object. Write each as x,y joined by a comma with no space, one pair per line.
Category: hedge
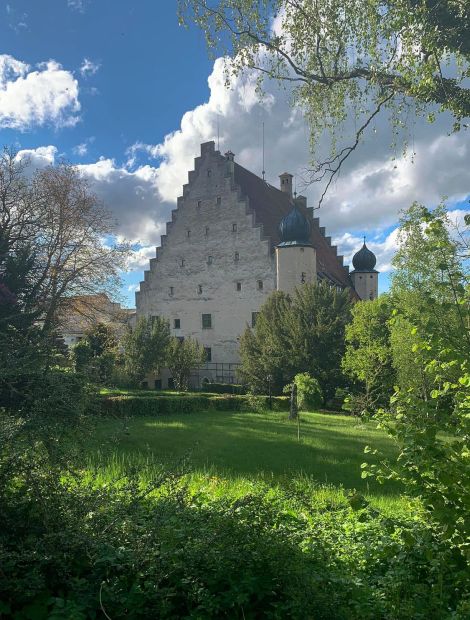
223,388
149,406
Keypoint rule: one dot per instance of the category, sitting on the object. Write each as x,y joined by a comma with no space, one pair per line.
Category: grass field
228,452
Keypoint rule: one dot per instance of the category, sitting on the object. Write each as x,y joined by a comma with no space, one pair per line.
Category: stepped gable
270,205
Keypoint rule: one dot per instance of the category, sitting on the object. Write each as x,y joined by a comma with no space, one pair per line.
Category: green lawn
231,451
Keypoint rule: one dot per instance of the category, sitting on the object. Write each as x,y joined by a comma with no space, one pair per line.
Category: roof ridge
279,191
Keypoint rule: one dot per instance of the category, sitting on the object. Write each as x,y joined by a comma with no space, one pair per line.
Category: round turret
364,260
294,229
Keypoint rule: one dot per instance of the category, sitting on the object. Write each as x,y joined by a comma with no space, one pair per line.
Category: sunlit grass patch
228,454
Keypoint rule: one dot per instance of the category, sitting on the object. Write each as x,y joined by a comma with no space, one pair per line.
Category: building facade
233,239
82,312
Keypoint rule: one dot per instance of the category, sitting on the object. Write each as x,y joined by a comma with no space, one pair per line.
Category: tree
343,57
184,356
309,393
430,298
96,354
317,322
293,335
146,347
368,356
264,350
57,222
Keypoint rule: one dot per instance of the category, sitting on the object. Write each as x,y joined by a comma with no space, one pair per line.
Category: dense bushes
154,405
175,554
223,388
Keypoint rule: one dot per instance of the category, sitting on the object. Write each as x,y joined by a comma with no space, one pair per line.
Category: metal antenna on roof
264,171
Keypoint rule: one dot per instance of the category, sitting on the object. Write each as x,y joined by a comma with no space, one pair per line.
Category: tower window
182,262
238,286
260,285
219,200
236,257
209,260
207,231
177,323
171,291
208,352
199,289
234,228
207,321
254,316
199,203
209,172
371,277
303,277
188,233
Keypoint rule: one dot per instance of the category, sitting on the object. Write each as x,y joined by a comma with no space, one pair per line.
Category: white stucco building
82,312
232,240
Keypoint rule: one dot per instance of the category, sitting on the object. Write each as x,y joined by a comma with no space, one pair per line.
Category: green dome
364,260
294,229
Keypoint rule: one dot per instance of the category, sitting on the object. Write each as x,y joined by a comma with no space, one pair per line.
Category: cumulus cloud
38,158
367,197
47,95
88,67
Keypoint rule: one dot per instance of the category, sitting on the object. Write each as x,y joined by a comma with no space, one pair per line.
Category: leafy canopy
304,333
343,57
146,346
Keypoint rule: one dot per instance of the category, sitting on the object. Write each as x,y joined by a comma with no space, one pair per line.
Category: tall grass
231,454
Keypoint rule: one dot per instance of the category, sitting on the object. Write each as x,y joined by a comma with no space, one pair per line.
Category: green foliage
146,346
96,354
368,356
158,550
340,58
302,334
183,357
309,394
429,414
223,388
152,405
264,351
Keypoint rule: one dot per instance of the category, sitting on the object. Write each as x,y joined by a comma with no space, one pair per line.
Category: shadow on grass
331,448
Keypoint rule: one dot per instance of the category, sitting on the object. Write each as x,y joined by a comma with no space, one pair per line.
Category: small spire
364,239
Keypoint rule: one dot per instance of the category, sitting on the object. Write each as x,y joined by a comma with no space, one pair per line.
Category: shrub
155,405
223,388
309,393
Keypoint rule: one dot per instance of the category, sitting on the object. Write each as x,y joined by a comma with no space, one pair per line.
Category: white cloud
47,95
367,197
39,158
77,5
88,67
80,149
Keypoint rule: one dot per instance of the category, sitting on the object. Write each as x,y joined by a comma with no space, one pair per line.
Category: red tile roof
270,205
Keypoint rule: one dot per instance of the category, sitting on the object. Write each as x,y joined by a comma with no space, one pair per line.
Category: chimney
286,183
230,163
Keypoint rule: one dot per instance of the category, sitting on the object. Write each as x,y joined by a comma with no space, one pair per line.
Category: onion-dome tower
365,277
294,229
295,254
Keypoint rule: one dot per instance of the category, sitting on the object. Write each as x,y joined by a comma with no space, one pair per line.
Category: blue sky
123,91
150,70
